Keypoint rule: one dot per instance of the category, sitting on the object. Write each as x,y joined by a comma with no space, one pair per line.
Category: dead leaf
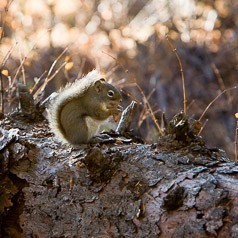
5,72
69,65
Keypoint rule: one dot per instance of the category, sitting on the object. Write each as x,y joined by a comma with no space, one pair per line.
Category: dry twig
209,105
49,77
236,138
4,60
150,110
182,75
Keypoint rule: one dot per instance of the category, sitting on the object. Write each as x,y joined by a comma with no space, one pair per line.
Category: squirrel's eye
110,93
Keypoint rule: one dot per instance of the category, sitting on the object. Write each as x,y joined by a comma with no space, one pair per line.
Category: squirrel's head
107,92
108,98
103,89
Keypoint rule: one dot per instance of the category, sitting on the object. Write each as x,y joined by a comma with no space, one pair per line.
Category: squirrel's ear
98,85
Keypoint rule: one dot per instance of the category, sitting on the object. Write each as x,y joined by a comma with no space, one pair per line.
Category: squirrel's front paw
117,113
119,108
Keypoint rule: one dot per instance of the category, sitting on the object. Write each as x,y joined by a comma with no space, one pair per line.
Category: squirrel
77,111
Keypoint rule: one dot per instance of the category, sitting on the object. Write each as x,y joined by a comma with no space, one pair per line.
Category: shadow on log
176,187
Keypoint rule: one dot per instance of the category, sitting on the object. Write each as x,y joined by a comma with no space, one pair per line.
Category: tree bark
176,187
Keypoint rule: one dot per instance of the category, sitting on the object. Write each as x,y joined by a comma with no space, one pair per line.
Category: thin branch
47,80
1,93
20,67
204,124
182,75
151,93
125,70
37,81
6,57
150,110
4,60
220,80
236,138
49,77
209,105
56,72
18,70
55,62
23,72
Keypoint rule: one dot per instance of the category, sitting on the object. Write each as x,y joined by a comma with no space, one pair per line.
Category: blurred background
47,43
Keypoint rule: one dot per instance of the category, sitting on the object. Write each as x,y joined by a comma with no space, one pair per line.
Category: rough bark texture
121,188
